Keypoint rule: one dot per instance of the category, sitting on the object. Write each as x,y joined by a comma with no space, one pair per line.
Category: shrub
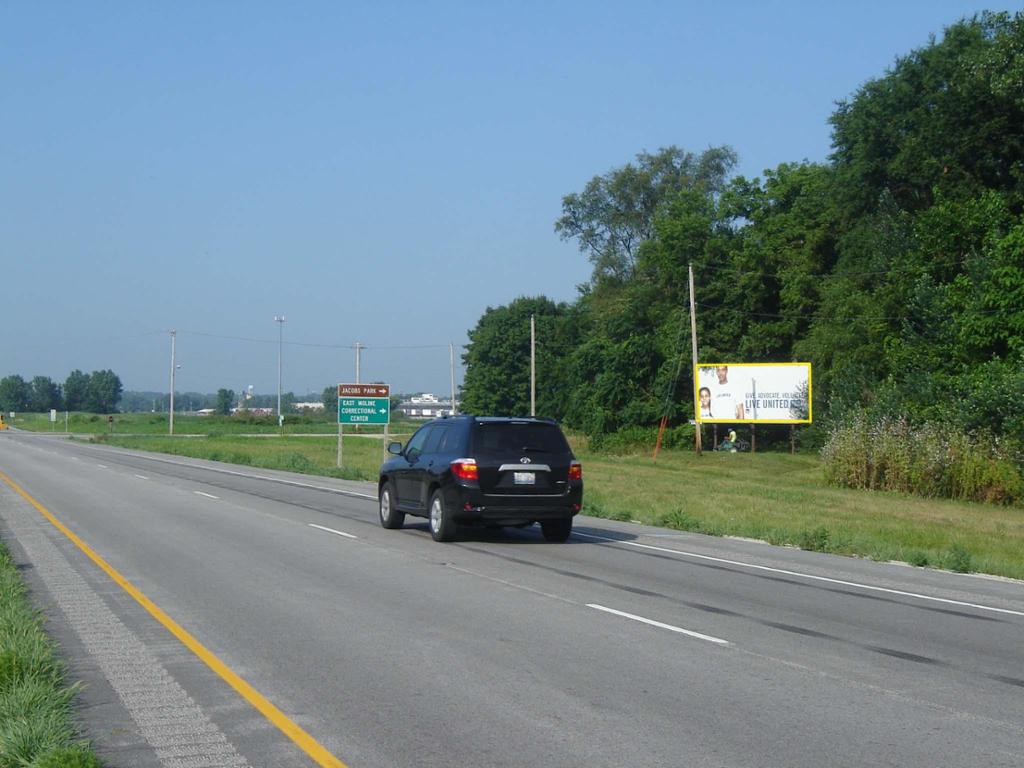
815,540
958,559
932,460
633,439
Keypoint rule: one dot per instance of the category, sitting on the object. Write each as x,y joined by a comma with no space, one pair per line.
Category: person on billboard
705,402
726,403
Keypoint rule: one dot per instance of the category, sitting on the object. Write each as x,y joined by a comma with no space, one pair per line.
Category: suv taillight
575,471
465,469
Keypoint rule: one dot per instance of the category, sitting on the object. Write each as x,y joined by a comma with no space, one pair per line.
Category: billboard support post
753,438
693,339
792,438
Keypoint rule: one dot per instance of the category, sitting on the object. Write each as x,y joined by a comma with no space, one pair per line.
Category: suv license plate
524,478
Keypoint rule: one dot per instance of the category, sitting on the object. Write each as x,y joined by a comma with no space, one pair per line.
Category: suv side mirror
395,447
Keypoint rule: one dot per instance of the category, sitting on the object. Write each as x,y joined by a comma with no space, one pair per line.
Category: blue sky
376,172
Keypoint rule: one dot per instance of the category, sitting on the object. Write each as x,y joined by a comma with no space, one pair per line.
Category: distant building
425,406
308,406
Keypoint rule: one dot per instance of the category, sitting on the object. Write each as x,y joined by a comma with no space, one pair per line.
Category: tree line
96,392
896,267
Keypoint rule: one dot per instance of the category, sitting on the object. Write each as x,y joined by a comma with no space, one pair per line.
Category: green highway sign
364,404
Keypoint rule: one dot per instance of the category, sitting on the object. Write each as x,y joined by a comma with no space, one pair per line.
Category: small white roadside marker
207,495
660,625
331,530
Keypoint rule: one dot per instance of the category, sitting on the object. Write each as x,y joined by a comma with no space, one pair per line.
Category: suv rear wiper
534,449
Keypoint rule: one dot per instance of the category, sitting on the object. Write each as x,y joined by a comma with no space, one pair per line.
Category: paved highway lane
626,646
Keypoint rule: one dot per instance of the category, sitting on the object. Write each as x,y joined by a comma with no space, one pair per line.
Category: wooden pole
753,438
693,338
661,434
792,438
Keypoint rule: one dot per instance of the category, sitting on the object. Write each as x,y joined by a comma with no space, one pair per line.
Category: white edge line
142,477
785,572
339,491
207,495
653,623
331,530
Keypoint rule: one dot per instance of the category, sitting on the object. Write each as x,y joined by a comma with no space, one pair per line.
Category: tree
103,392
14,394
614,214
945,118
497,359
225,399
45,394
76,390
329,397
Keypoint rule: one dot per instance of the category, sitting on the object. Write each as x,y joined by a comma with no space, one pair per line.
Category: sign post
363,404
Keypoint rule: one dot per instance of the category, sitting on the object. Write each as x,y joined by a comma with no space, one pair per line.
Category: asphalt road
627,646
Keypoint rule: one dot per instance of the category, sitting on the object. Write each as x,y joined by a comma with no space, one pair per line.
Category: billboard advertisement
752,393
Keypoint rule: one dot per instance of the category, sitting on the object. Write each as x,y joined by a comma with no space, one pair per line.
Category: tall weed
931,460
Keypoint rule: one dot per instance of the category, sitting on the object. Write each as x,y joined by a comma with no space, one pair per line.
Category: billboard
752,393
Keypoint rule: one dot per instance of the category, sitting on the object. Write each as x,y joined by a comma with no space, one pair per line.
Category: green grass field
156,424
775,497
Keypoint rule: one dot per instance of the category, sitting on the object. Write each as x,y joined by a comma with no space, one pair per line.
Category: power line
845,273
206,334
815,315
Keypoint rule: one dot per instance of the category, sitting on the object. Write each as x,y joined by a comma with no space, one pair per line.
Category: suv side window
415,445
434,440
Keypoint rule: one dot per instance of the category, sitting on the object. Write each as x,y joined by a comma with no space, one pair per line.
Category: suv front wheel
442,526
390,517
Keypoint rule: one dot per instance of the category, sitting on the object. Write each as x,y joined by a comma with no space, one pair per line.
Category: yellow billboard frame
696,395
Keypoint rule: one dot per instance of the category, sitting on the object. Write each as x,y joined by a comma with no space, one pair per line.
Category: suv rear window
510,437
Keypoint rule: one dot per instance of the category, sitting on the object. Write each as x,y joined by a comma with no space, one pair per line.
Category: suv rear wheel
390,517
556,530
442,526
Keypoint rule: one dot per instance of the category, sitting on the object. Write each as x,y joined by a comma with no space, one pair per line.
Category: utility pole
359,349
279,319
170,422
533,366
451,358
693,338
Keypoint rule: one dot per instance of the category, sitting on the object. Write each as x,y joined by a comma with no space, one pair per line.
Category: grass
156,424
775,497
784,499
362,456
36,728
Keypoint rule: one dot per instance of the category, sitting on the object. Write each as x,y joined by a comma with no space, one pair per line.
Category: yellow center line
303,740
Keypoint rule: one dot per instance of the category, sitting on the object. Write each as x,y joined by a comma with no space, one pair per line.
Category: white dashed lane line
142,477
331,530
102,466
798,574
660,625
207,495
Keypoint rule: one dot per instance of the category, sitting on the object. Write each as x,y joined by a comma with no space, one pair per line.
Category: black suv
491,471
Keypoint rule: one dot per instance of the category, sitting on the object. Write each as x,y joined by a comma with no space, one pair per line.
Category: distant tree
330,399
44,395
14,394
225,399
103,392
76,390
614,214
